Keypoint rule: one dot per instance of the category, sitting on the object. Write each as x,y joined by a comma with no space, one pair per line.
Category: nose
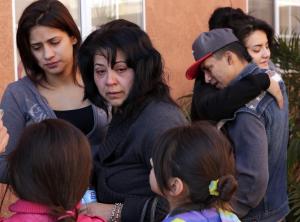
111,77
266,53
48,52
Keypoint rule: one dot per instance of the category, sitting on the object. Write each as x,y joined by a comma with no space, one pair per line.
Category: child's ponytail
63,215
227,185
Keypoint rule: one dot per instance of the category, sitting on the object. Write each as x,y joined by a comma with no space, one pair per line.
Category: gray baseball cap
206,44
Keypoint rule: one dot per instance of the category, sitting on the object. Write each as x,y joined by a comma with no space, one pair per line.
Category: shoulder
20,87
23,82
100,114
20,92
161,109
159,114
196,216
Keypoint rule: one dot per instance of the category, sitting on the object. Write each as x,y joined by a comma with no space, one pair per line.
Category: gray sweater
122,163
23,105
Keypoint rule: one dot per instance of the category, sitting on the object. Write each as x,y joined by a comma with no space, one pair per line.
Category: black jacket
209,103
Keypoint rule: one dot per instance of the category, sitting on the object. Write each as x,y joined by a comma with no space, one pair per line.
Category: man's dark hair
237,48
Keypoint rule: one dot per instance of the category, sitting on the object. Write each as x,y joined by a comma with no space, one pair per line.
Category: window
88,15
283,15
288,14
262,9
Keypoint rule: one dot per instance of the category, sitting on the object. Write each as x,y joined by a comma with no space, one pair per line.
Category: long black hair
140,55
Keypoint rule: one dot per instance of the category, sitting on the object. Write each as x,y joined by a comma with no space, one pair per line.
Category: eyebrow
206,67
53,38
266,43
257,45
99,64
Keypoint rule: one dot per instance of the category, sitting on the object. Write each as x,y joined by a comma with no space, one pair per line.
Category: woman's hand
274,90
97,209
3,137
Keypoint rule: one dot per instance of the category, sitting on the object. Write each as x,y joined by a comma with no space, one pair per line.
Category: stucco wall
6,45
173,25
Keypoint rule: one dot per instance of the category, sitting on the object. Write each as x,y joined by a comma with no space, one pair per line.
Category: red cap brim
192,71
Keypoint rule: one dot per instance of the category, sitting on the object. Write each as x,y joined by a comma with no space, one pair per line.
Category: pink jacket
26,211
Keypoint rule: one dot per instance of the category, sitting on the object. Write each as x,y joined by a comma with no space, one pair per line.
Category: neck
57,81
241,65
177,202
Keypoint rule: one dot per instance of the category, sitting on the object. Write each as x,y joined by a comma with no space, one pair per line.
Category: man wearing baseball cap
259,130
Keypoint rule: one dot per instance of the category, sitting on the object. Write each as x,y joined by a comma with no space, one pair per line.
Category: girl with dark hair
121,69
49,181
48,41
193,167
257,36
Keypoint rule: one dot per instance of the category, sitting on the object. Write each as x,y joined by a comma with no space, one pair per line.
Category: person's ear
229,57
176,186
74,40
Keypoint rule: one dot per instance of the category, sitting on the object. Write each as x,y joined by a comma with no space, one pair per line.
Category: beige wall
173,25
6,45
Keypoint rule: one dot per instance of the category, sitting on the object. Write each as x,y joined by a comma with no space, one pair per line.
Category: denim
273,204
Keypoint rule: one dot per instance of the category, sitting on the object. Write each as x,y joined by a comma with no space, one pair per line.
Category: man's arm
210,103
250,143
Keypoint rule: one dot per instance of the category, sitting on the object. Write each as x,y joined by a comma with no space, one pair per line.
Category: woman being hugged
257,37
193,167
121,68
49,182
48,41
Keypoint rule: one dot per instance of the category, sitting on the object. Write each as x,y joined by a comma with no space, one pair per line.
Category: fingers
83,210
87,209
280,101
275,91
3,137
4,143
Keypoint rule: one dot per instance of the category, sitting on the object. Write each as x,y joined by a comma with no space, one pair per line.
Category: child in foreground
49,172
193,168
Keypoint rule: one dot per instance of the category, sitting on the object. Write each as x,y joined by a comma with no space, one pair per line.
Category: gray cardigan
122,163
23,105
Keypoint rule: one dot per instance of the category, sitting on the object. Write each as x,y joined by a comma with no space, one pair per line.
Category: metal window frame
277,5
86,16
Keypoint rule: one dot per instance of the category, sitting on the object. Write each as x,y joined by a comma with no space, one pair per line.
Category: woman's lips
52,65
114,94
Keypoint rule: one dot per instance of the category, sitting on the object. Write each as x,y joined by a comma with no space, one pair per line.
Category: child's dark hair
51,166
196,154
